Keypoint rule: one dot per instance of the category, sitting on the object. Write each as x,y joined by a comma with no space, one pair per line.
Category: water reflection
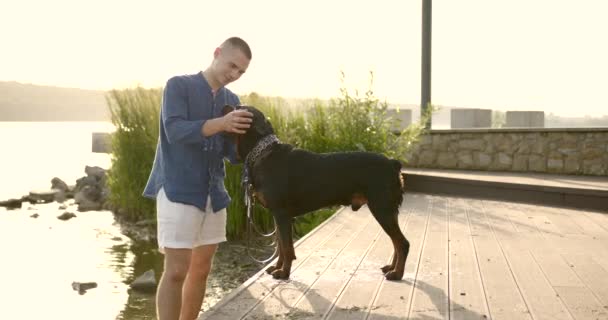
140,305
44,256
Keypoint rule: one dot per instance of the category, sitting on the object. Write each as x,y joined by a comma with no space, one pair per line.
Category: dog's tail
397,166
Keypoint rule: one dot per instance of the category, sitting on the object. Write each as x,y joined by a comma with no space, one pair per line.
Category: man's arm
181,130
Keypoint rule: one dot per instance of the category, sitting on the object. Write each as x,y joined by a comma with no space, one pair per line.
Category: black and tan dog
291,182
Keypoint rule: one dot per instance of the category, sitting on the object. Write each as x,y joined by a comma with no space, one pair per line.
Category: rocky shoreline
231,266
90,192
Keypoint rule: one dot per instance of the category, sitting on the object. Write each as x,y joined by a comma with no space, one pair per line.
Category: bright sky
548,55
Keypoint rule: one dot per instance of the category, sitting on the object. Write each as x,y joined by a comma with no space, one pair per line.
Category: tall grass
135,114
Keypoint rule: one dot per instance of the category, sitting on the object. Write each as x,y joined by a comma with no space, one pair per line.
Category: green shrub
135,115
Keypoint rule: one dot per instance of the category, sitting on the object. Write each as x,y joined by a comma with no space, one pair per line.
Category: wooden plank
356,301
467,296
563,222
319,299
579,300
585,223
546,227
591,273
430,298
572,243
601,218
280,300
504,298
393,298
540,297
252,291
581,303
601,258
556,269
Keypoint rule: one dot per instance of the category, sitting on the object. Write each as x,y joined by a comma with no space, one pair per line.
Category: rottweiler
290,182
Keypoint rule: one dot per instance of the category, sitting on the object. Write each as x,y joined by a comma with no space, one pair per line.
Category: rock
91,193
82,287
60,196
85,181
66,216
88,198
145,282
35,215
63,207
89,206
44,196
96,172
58,184
11,203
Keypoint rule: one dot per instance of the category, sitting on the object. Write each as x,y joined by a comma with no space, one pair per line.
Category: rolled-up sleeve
178,128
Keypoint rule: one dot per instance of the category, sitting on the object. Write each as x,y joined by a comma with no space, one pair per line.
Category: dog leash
252,227
250,200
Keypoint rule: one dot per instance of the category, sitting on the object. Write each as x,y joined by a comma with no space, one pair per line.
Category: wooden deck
469,259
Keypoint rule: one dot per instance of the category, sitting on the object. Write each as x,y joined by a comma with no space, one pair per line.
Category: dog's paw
387,268
270,269
393,275
280,274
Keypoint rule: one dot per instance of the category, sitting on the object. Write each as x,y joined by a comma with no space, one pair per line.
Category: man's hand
237,121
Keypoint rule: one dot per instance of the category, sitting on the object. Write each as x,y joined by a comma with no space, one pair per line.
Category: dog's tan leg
401,249
391,266
287,251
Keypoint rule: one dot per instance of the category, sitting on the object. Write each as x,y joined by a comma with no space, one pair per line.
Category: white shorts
183,226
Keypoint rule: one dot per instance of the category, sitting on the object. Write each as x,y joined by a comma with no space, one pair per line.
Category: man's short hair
240,44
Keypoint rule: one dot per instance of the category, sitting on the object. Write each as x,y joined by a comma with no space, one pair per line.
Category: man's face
229,65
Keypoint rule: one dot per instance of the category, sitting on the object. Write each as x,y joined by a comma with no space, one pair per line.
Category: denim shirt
187,165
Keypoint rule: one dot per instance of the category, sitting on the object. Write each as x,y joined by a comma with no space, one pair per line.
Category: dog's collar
259,147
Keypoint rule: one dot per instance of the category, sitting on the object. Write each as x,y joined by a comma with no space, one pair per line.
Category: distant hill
28,102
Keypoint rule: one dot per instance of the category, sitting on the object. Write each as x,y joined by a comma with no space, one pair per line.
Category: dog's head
260,127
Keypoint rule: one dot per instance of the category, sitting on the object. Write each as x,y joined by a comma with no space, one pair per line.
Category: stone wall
564,151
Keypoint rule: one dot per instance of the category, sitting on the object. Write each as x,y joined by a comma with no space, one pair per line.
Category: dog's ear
263,127
227,109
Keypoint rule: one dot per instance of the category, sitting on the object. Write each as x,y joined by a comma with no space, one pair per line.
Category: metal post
426,57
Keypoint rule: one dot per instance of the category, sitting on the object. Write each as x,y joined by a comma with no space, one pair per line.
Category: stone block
101,142
400,118
525,119
470,118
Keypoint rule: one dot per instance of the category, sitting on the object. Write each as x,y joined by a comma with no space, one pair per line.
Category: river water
42,256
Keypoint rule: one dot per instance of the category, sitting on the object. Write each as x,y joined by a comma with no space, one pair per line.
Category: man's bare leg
195,284
169,293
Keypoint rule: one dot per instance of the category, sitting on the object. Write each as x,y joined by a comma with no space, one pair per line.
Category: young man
187,178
